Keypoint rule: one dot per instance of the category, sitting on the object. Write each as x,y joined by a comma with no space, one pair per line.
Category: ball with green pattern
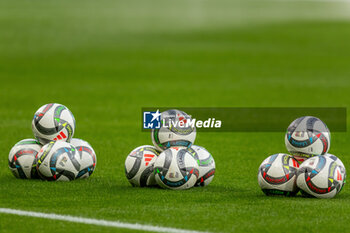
206,165
58,161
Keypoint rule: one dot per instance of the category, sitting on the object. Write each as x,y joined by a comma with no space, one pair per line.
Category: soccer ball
277,175
139,166
58,160
22,159
53,122
176,168
206,165
321,176
175,130
87,157
307,136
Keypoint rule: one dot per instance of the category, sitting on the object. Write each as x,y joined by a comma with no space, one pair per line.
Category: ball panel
147,177
135,164
276,192
205,179
341,165
155,139
173,115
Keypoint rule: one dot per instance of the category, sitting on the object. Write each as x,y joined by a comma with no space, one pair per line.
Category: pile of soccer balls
173,162
320,174
54,154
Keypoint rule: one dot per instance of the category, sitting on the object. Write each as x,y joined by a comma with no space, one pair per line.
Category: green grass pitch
105,60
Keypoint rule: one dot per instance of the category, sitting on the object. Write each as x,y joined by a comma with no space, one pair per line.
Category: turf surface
107,59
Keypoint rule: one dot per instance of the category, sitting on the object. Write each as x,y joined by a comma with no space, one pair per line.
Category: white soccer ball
176,168
307,136
53,122
139,166
175,130
58,161
22,158
321,176
206,165
87,157
277,175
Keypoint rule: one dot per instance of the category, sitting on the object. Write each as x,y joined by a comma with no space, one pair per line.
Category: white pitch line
98,222
329,1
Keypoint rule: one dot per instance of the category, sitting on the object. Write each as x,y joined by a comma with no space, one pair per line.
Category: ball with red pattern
206,165
87,158
53,122
139,166
307,136
277,175
321,176
22,158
